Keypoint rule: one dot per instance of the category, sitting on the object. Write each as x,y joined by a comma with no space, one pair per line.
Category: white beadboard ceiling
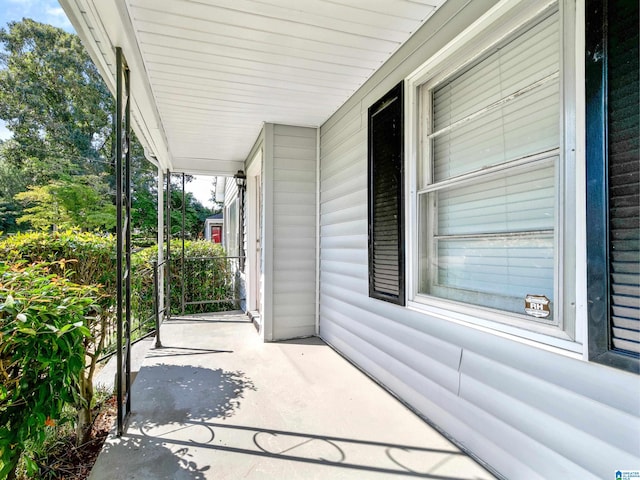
206,74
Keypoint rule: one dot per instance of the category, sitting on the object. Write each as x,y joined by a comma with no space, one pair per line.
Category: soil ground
71,462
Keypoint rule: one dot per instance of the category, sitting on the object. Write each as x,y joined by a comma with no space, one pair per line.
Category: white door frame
255,260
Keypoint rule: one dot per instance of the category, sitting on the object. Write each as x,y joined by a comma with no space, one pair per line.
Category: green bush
46,329
44,322
83,258
92,256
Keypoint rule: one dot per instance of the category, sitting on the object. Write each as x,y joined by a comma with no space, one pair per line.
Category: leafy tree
60,113
53,101
82,201
194,216
43,210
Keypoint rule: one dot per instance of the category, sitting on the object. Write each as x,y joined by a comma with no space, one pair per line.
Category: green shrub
92,255
44,322
85,259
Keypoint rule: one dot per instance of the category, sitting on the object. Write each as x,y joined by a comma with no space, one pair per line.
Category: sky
50,11
45,11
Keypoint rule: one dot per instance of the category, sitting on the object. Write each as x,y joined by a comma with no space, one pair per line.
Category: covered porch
218,402
287,96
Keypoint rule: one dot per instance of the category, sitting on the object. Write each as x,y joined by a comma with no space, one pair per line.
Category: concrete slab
105,379
217,403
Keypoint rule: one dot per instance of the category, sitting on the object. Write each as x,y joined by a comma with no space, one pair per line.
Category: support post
156,302
123,242
182,256
167,267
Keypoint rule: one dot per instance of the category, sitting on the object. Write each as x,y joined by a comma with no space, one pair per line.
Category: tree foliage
60,114
53,101
82,201
194,215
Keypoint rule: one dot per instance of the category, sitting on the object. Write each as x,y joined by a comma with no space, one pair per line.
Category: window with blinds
489,178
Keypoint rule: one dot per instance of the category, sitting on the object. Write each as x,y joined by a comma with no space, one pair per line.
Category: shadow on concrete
178,393
347,453
310,341
145,457
195,321
169,351
174,395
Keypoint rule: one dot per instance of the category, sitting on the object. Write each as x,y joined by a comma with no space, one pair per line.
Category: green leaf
85,331
27,331
9,301
64,329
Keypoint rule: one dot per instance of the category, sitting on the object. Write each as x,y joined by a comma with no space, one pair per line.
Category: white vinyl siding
488,201
528,412
294,231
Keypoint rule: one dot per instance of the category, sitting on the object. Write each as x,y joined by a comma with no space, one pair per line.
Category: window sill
543,337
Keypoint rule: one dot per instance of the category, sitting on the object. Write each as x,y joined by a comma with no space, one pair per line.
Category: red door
216,234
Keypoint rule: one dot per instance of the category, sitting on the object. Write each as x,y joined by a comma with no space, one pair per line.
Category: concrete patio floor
217,403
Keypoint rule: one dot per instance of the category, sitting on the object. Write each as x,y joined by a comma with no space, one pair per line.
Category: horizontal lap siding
294,231
527,412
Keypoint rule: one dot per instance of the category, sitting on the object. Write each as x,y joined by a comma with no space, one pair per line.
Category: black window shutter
613,188
624,175
386,197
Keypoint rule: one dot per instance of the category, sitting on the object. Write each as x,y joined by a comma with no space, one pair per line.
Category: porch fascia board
204,166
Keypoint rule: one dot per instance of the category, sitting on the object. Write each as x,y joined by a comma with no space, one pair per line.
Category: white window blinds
488,207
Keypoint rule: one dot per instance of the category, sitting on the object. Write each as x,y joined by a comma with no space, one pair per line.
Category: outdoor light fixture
241,179
241,182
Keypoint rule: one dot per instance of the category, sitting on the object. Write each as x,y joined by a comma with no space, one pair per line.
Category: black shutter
613,182
624,175
386,198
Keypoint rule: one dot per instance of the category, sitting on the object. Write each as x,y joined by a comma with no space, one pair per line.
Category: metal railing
145,311
207,284
191,285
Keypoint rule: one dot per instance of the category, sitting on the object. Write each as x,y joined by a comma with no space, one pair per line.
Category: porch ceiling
207,73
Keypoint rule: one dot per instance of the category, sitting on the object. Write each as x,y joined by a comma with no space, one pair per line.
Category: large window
489,178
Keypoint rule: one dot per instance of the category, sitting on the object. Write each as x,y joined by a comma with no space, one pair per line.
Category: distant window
386,204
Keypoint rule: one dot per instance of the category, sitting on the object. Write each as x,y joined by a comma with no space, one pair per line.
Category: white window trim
497,24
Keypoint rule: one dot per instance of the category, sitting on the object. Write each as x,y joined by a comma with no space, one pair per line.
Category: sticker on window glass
537,306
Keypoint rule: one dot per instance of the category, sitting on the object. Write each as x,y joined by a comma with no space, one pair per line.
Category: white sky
4,133
201,187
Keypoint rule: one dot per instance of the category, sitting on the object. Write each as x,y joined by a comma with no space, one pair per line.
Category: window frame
231,222
500,23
